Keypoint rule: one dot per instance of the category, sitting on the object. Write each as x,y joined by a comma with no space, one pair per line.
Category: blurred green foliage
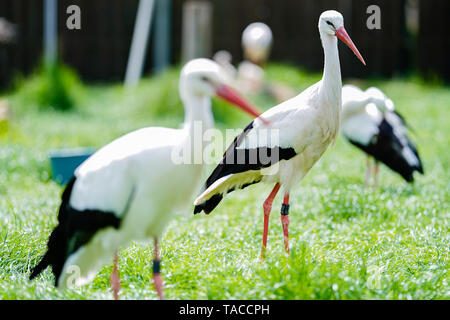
53,86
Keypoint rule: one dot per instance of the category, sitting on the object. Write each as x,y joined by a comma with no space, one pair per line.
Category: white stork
128,190
306,124
370,123
224,59
257,41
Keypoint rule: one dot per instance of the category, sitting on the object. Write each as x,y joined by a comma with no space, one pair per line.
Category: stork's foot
285,222
375,174
263,254
157,279
368,173
267,206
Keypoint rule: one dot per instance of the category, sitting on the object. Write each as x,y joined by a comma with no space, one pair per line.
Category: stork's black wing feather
241,160
75,229
410,144
387,148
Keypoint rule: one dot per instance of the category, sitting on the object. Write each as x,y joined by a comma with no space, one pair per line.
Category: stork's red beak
230,95
345,38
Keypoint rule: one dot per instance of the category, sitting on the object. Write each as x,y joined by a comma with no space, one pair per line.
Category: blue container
64,162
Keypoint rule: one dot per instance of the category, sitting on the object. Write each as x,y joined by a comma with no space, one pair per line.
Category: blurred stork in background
370,122
257,41
250,77
5,116
225,59
7,35
7,31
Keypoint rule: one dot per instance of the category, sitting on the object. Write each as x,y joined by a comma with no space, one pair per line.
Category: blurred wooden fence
99,51
296,38
434,39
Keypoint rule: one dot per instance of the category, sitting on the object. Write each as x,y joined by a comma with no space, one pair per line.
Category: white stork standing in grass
128,190
370,123
306,124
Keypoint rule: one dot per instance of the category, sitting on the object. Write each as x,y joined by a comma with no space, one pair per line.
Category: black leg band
156,266
285,209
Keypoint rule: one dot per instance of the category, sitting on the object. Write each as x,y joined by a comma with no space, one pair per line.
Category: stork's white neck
331,81
330,89
197,109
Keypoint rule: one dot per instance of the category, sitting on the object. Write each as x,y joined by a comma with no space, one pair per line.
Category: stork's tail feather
409,177
420,169
419,166
41,266
55,256
212,196
57,243
416,166
209,205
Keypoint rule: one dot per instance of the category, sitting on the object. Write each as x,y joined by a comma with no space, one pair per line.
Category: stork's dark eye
330,24
204,78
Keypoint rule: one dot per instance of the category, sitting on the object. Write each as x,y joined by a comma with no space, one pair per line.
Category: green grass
347,243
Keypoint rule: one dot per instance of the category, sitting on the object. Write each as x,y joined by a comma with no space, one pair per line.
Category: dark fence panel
99,51
21,55
294,25
385,49
433,40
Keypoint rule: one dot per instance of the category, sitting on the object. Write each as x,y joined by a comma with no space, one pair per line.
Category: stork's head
257,42
223,57
331,23
377,97
204,78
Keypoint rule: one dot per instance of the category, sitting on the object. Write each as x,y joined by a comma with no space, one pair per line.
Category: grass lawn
347,243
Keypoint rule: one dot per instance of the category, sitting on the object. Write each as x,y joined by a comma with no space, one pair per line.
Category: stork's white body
130,189
127,177
138,179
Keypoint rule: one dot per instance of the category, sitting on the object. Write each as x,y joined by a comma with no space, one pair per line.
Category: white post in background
161,33
139,43
50,31
197,30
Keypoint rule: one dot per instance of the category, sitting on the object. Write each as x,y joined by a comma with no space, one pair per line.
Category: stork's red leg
115,279
157,280
285,221
375,174
368,171
267,206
